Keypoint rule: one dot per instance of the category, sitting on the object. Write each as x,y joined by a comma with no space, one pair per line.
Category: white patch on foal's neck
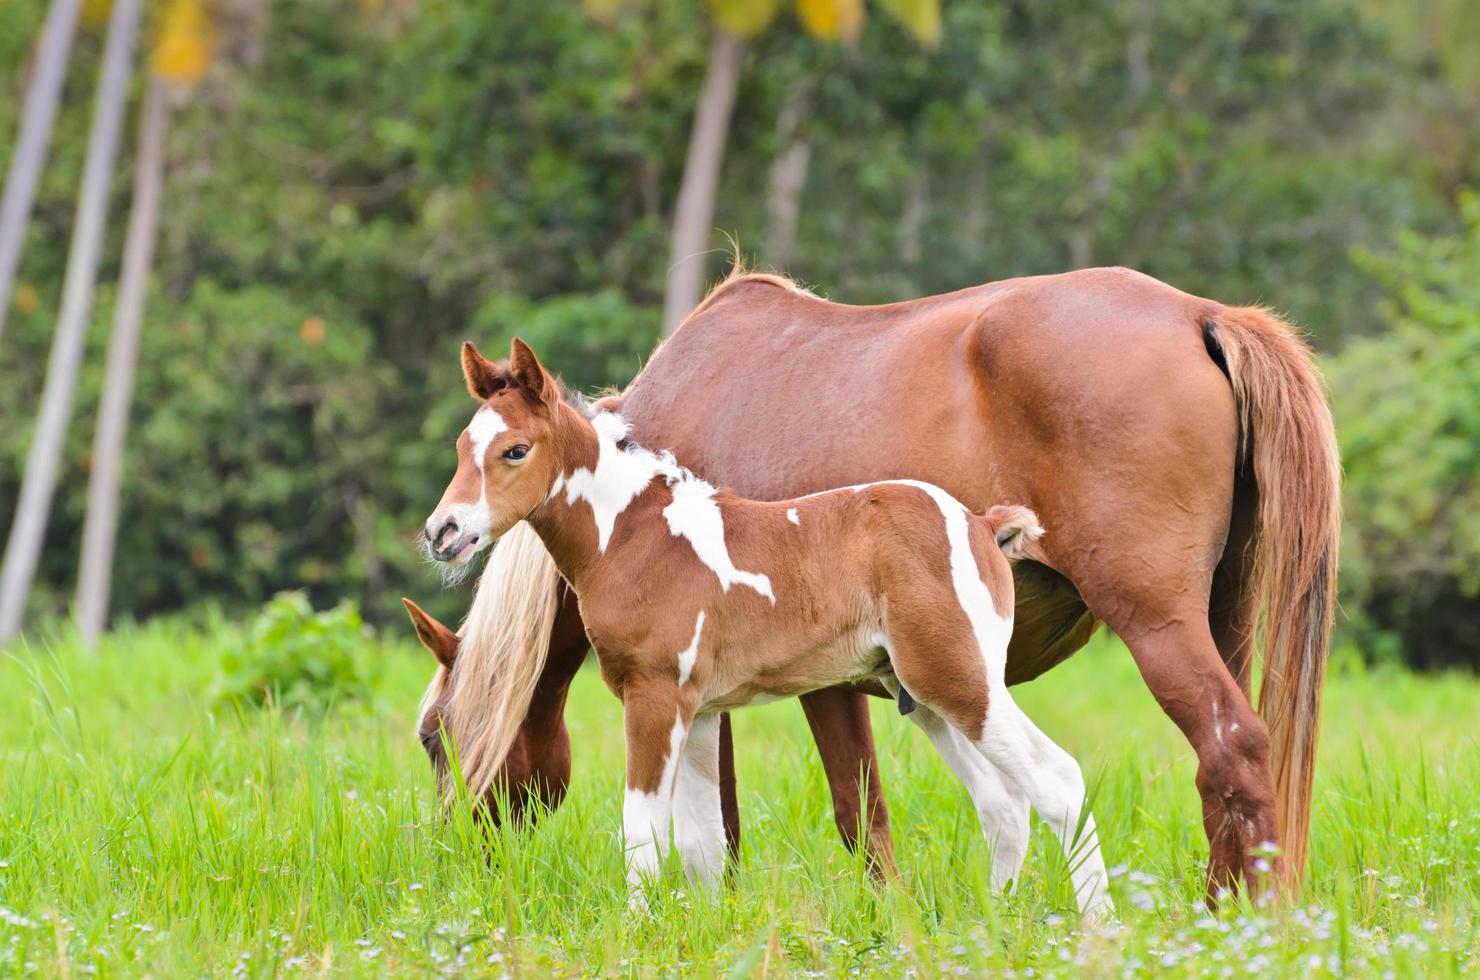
690,654
484,428
620,475
695,514
791,515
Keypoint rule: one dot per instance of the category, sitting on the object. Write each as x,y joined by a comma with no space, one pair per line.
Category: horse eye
515,453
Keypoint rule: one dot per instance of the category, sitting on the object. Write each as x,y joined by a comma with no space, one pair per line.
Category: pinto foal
698,602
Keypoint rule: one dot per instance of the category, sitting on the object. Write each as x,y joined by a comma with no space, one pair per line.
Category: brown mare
698,602
1180,451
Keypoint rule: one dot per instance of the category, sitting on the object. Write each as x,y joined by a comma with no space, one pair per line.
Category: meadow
143,831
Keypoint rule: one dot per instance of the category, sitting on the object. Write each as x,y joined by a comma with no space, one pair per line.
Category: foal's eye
515,453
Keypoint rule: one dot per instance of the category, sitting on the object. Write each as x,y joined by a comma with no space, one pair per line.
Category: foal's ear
433,635
530,374
483,376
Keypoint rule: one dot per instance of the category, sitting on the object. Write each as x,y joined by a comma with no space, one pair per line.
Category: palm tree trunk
42,98
693,215
789,171
23,550
94,576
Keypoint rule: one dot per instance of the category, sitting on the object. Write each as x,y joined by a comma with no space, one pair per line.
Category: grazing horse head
504,464
443,644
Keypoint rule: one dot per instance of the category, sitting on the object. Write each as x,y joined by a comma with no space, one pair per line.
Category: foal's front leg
698,818
657,727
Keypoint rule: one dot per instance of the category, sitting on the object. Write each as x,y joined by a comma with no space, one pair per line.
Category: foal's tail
1016,529
1285,431
505,642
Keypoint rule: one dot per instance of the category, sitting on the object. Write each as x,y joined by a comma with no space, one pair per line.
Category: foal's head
506,460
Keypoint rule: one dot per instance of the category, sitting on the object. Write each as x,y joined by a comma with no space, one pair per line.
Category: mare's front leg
657,728
839,720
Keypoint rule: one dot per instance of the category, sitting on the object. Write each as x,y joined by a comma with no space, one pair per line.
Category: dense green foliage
357,187
1408,405
142,832
297,659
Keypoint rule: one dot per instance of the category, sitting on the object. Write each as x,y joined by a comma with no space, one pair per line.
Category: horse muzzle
449,542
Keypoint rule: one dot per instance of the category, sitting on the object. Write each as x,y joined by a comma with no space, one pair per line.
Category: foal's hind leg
1000,805
1053,782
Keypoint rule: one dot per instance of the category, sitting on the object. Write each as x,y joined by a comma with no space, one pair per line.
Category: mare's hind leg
1000,805
698,823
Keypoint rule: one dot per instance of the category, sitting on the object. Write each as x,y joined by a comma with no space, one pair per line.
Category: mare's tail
1286,433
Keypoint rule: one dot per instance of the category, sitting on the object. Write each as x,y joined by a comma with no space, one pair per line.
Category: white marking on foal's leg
1053,782
1000,805
694,514
690,653
791,515
647,817
698,821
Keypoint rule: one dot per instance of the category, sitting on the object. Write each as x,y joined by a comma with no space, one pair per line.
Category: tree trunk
789,171
23,549
42,98
693,214
912,218
99,532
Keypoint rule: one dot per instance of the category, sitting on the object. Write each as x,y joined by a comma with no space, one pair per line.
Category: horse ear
433,635
483,376
529,373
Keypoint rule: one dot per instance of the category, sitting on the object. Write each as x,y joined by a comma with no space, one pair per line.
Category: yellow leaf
186,41
744,18
831,19
26,299
95,12
921,17
312,330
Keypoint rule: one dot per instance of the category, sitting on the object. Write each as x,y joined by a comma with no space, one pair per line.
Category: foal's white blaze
694,514
646,817
791,515
618,478
484,428
690,653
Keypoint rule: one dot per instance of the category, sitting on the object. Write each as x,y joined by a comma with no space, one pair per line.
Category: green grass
141,833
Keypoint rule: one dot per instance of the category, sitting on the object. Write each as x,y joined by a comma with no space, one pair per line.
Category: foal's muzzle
449,541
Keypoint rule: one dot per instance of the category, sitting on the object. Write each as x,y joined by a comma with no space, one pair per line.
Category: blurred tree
355,188
28,528
179,60
1408,414
43,95
693,213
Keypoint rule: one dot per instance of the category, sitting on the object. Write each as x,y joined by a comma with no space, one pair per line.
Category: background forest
356,187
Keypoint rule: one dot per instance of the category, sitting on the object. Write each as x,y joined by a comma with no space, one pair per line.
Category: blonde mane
505,643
